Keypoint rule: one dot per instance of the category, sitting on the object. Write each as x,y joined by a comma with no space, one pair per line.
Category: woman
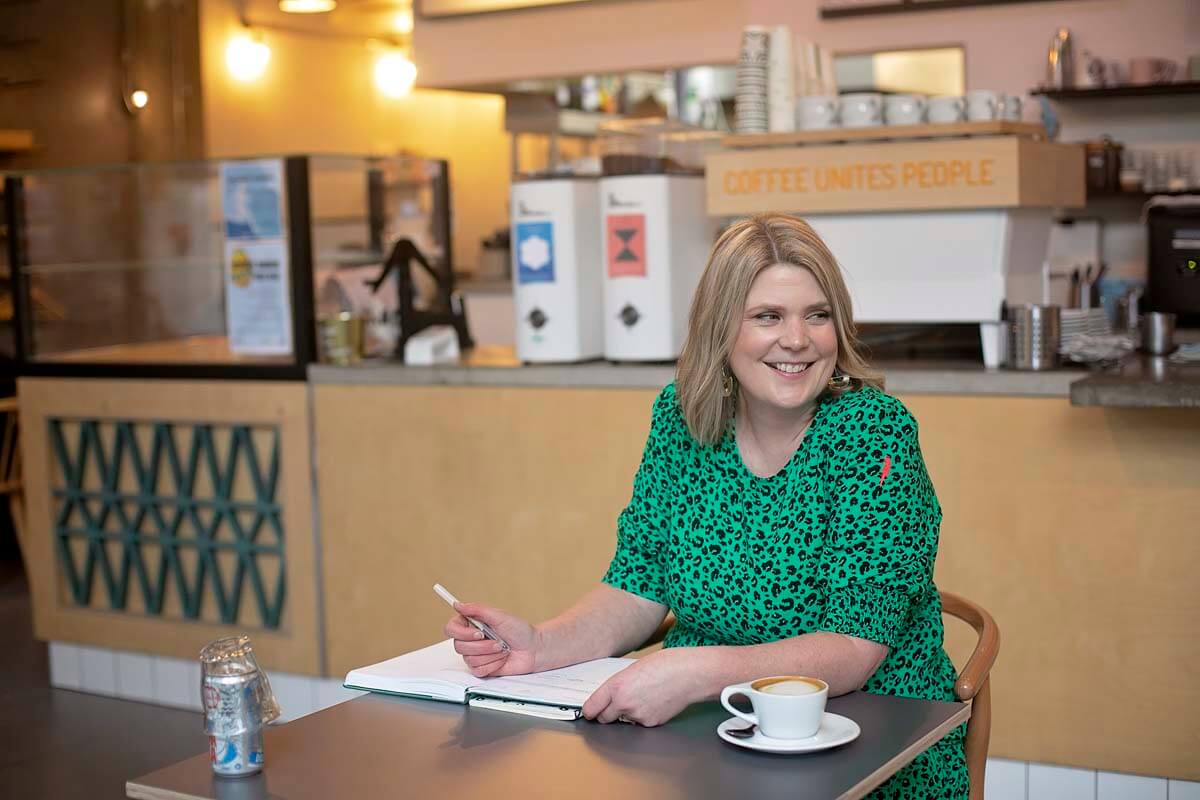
782,511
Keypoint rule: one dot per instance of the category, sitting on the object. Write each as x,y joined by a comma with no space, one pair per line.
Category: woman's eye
819,316
768,316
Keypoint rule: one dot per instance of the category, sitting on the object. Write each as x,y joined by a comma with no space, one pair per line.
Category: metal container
1158,333
234,756
1060,62
238,702
1034,333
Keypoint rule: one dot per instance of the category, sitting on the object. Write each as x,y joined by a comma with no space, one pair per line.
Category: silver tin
234,756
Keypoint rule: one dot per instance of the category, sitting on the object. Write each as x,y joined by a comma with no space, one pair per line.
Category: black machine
447,308
1173,285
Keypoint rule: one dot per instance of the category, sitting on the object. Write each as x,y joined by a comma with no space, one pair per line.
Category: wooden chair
971,687
10,468
973,684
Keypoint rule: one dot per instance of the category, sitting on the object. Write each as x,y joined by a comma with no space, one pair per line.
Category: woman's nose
795,335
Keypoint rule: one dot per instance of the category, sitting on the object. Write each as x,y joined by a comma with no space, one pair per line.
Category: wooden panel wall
1076,527
295,645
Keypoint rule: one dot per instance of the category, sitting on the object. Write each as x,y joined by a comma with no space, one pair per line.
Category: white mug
903,109
785,707
948,108
817,112
1010,107
983,105
862,110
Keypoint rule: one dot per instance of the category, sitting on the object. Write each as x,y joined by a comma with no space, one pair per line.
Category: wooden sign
1004,171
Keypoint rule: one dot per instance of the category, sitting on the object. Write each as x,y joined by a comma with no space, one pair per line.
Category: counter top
498,366
1141,382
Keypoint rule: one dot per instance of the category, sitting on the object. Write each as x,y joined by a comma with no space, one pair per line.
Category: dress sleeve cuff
867,610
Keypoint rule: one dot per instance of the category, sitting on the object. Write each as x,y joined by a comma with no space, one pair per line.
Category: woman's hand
654,689
487,658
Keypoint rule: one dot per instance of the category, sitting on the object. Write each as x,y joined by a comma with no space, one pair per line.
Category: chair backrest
972,684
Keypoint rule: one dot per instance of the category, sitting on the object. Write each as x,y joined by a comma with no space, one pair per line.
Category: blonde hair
746,248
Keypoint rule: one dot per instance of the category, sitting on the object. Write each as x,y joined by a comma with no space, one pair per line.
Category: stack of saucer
1076,323
750,99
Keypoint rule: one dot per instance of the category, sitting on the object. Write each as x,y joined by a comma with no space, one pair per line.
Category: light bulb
139,98
307,6
395,74
246,58
403,21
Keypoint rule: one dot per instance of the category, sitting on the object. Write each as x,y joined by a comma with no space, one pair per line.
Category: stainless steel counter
498,366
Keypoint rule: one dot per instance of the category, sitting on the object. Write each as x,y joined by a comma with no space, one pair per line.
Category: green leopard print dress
842,539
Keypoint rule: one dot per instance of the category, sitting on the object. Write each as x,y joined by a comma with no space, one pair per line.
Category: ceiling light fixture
307,6
395,74
247,57
139,98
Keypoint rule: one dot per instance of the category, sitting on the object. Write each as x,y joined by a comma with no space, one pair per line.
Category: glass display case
211,269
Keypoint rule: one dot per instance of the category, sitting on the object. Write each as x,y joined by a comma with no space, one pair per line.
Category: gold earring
839,381
727,385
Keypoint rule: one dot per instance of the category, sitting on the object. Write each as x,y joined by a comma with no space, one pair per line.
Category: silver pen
482,627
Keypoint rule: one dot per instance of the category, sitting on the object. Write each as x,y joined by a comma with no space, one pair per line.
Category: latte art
791,688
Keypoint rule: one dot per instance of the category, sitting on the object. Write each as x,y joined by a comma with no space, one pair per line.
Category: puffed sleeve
638,566
883,536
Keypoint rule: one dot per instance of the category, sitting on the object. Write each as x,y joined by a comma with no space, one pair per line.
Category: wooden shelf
949,130
1139,90
905,6
15,141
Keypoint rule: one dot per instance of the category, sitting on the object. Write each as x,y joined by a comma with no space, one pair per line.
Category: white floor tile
297,694
1183,790
135,676
330,692
1047,782
98,670
173,685
1116,786
1005,780
64,665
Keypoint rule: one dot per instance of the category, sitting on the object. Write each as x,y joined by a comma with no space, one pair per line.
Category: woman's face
786,347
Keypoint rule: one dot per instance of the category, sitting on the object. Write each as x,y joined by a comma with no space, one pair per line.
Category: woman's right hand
487,658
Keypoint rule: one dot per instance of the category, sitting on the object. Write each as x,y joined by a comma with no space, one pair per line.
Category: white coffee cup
817,112
903,109
947,108
785,707
983,105
1010,107
862,109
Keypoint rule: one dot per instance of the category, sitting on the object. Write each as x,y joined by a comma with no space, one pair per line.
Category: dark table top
381,746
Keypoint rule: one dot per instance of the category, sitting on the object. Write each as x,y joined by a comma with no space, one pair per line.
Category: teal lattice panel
152,509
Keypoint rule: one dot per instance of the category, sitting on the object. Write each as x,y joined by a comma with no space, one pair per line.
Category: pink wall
1005,46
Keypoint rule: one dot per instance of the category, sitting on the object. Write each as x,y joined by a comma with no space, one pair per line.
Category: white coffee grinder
557,271
656,234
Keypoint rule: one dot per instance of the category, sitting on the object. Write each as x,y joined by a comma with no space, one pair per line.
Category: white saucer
835,730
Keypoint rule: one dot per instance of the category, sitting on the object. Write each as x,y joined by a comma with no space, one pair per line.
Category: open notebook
438,673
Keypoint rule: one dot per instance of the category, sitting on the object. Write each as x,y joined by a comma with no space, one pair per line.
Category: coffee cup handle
728,693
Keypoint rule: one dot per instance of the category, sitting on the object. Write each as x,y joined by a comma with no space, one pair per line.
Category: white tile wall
98,670
173,682
65,666
297,694
135,676
1183,790
1005,780
1115,786
1048,782
330,692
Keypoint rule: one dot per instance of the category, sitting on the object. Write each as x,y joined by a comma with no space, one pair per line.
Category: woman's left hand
652,690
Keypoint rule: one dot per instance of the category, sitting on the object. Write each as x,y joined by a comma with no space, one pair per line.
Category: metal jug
1060,65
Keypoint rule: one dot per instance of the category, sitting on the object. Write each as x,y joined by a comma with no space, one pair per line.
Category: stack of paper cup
750,98
781,81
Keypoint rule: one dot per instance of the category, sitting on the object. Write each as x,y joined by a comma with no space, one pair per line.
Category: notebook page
436,671
568,686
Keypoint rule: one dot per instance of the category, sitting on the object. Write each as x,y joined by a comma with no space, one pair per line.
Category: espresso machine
1173,274
656,234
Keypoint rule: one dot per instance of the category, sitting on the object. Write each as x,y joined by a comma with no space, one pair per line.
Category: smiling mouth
789,368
